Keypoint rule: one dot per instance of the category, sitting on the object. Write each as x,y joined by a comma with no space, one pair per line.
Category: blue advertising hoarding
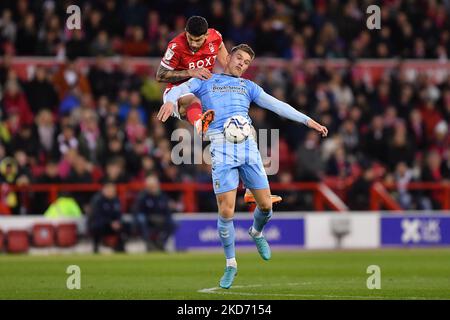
200,231
411,230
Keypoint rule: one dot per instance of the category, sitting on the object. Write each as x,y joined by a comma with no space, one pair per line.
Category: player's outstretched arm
318,127
166,75
222,55
283,109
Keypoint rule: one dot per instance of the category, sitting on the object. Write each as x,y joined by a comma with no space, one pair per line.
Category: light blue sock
260,219
225,228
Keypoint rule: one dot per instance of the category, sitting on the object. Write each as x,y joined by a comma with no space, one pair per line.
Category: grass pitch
405,274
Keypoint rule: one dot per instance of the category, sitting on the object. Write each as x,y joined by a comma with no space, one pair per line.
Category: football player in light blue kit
228,95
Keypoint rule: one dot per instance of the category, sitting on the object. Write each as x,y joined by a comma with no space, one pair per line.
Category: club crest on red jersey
169,54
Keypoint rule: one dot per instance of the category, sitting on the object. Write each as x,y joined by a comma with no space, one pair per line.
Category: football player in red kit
192,54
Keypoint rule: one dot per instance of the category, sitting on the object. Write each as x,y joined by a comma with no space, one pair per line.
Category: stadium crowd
292,29
66,126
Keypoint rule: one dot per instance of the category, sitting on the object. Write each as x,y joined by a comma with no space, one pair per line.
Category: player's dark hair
197,26
244,47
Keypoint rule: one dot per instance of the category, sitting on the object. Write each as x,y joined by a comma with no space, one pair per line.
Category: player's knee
265,206
184,103
182,112
226,212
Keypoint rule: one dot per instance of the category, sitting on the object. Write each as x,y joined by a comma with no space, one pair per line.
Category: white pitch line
213,290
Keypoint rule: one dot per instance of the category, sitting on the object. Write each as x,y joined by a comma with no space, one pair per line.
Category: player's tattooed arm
166,75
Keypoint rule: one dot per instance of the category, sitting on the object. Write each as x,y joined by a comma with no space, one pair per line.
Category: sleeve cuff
166,66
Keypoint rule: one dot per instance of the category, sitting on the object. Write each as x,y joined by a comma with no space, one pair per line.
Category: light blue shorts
231,161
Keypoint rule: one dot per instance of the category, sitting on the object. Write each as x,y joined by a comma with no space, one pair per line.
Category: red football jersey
179,56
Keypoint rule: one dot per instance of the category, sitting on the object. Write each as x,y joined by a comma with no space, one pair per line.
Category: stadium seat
4,210
111,240
66,235
43,235
2,241
17,241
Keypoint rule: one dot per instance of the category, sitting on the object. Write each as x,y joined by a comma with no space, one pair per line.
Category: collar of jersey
230,75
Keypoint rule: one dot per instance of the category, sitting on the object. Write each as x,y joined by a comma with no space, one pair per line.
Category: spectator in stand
91,144
77,46
101,45
350,136
64,207
147,167
23,167
27,37
106,217
101,78
433,172
9,175
134,13
50,176
153,215
80,173
416,128
309,164
15,102
114,148
403,175
27,141
136,45
40,92
45,132
375,140
126,77
70,102
399,148
237,31
441,139
115,171
111,128
50,46
338,165
358,195
134,127
431,117
134,153
69,77
134,103
112,19
8,29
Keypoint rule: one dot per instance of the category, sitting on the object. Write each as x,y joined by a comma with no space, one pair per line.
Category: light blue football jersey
226,95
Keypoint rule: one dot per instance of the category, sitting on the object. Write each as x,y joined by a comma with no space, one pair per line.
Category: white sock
232,262
255,233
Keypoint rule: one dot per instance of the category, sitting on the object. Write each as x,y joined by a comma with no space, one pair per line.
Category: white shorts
175,113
